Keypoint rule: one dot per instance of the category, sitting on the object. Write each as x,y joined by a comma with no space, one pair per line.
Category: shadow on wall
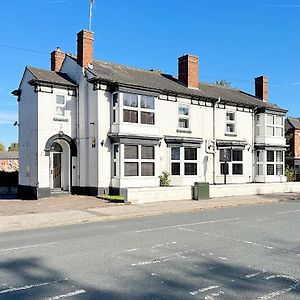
8,184
174,280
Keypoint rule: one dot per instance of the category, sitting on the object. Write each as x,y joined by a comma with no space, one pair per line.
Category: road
247,252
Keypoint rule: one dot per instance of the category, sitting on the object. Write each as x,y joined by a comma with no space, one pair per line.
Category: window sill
230,134
60,119
184,130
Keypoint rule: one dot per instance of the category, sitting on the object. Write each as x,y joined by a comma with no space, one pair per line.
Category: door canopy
61,136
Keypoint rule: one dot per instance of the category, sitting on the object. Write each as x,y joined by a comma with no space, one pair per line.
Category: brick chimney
261,88
188,69
57,59
85,48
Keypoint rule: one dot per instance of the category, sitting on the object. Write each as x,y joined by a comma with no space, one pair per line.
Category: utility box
201,191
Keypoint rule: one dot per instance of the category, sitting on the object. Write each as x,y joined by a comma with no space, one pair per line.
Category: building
9,161
292,133
91,127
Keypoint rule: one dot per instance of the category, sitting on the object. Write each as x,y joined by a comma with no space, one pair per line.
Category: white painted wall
28,139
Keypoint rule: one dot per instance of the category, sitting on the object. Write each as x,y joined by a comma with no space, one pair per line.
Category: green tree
2,147
223,82
13,147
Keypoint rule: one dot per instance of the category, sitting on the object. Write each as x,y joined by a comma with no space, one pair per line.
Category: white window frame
115,108
259,162
138,109
116,160
60,106
182,161
139,160
258,125
183,116
275,162
274,126
232,162
230,122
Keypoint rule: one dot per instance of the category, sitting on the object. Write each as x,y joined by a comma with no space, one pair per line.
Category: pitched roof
295,122
9,154
116,73
45,76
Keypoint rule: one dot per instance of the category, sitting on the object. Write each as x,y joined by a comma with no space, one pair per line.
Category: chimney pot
85,48
57,59
188,70
261,88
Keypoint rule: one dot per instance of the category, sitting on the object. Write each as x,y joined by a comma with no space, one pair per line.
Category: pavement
66,210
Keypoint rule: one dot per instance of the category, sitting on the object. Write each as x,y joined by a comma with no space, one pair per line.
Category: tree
2,147
223,82
13,147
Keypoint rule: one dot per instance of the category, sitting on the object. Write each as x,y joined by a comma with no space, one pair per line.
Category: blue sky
236,40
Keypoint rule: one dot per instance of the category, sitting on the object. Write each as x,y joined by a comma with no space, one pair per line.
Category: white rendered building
92,127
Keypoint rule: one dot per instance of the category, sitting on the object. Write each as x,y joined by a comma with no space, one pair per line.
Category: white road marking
26,247
27,287
254,274
161,245
282,291
288,212
126,251
71,294
186,229
161,259
209,288
213,295
184,225
223,258
154,274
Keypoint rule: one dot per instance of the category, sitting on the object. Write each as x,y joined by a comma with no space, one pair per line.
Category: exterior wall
149,195
28,139
66,124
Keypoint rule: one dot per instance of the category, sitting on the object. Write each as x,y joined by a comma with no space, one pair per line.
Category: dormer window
60,105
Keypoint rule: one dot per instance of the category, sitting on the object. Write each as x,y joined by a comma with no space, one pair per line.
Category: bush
290,173
9,178
165,179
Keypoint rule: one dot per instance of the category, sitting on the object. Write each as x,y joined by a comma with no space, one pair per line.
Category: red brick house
292,134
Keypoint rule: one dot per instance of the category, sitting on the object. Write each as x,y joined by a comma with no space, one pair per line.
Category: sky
236,40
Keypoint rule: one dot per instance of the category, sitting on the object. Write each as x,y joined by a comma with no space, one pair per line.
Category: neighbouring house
9,161
89,127
292,135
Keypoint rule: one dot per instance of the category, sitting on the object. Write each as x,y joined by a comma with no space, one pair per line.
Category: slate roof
295,122
9,154
121,74
45,76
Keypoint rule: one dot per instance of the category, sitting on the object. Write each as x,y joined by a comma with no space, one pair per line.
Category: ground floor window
184,161
231,161
139,160
274,162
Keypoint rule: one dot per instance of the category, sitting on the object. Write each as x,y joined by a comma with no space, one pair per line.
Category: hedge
9,178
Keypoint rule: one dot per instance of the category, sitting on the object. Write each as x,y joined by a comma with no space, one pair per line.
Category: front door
56,170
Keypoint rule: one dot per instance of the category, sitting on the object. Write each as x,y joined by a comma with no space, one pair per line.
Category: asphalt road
249,252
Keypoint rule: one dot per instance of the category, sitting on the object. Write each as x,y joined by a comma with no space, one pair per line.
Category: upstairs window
258,133
230,122
275,126
184,116
60,105
138,109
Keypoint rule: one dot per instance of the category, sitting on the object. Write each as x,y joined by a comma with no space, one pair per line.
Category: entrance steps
59,192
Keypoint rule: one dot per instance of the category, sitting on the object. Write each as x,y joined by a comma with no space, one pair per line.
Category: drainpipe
214,138
253,141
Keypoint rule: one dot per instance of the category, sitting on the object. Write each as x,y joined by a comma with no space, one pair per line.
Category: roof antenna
91,14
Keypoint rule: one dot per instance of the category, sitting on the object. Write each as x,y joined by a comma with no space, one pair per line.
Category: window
231,161
230,122
183,116
138,109
139,160
258,133
115,160
259,162
274,162
184,161
115,106
275,126
60,105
